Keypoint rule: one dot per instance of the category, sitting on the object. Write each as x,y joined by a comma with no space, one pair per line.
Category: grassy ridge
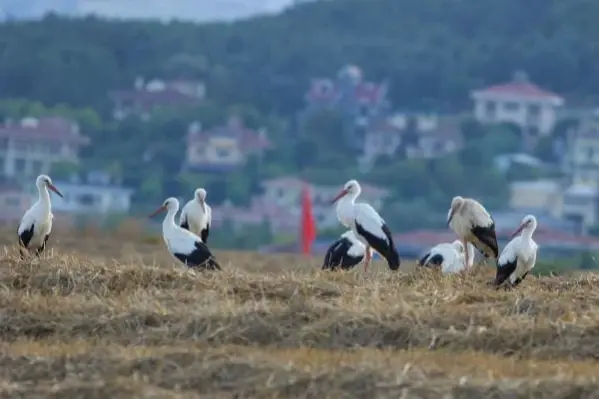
96,319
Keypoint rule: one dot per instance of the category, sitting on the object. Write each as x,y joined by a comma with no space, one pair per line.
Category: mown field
103,319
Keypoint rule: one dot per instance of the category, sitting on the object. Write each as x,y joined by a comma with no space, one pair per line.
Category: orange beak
341,194
515,233
53,188
157,211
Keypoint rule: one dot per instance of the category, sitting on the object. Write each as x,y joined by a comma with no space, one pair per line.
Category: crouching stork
345,253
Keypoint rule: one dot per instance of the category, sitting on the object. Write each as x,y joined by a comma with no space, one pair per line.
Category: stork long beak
341,194
203,205
450,217
157,211
515,233
53,188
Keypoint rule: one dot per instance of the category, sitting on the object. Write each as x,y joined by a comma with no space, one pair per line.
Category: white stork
450,256
368,226
519,255
183,244
196,215
36,224
473,224
345,253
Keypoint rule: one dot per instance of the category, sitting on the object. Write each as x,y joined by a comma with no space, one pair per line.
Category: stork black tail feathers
435,260
422,261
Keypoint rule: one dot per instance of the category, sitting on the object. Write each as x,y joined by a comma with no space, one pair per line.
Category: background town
418,103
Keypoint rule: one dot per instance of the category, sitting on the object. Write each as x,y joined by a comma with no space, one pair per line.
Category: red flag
308,224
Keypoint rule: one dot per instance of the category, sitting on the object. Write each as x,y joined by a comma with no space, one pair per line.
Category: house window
590,154
20,145
363,111
37,166
20,165
511,106
534,110
86,199
576,200
490,109
223,152
533,131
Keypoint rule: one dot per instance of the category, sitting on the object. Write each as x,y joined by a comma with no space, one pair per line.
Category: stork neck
169,220
347,200
44,197
527,232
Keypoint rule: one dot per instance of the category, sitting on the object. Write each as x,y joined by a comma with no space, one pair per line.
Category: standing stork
519,255
368,226
473,224
346,252
183,244
36,224
449,256
196,215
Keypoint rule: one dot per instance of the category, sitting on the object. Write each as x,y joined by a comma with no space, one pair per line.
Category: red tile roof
523,89
47,128
249,139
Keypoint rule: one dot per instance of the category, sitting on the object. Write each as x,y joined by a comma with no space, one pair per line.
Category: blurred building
521,102
32,145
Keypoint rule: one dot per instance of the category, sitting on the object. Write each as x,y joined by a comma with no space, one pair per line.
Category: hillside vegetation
98,319
432,51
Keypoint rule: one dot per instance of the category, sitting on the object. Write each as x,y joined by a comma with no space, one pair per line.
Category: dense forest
431,53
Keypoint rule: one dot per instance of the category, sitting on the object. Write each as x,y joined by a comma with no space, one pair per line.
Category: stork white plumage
345,253
368,226
183,244
449,256
473,224
196,215
519,255
36,224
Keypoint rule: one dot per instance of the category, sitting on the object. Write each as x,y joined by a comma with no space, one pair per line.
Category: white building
96,196
33,145
520,102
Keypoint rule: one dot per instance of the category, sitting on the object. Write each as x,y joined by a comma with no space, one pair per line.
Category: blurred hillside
378,90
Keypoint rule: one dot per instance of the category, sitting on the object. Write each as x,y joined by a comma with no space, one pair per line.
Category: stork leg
466,257
367,258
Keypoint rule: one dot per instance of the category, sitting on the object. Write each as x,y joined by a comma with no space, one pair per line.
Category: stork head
170,204
200,195
352,188
44,182
456,204
529,222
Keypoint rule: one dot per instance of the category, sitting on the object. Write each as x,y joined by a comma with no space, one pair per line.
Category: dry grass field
109,319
